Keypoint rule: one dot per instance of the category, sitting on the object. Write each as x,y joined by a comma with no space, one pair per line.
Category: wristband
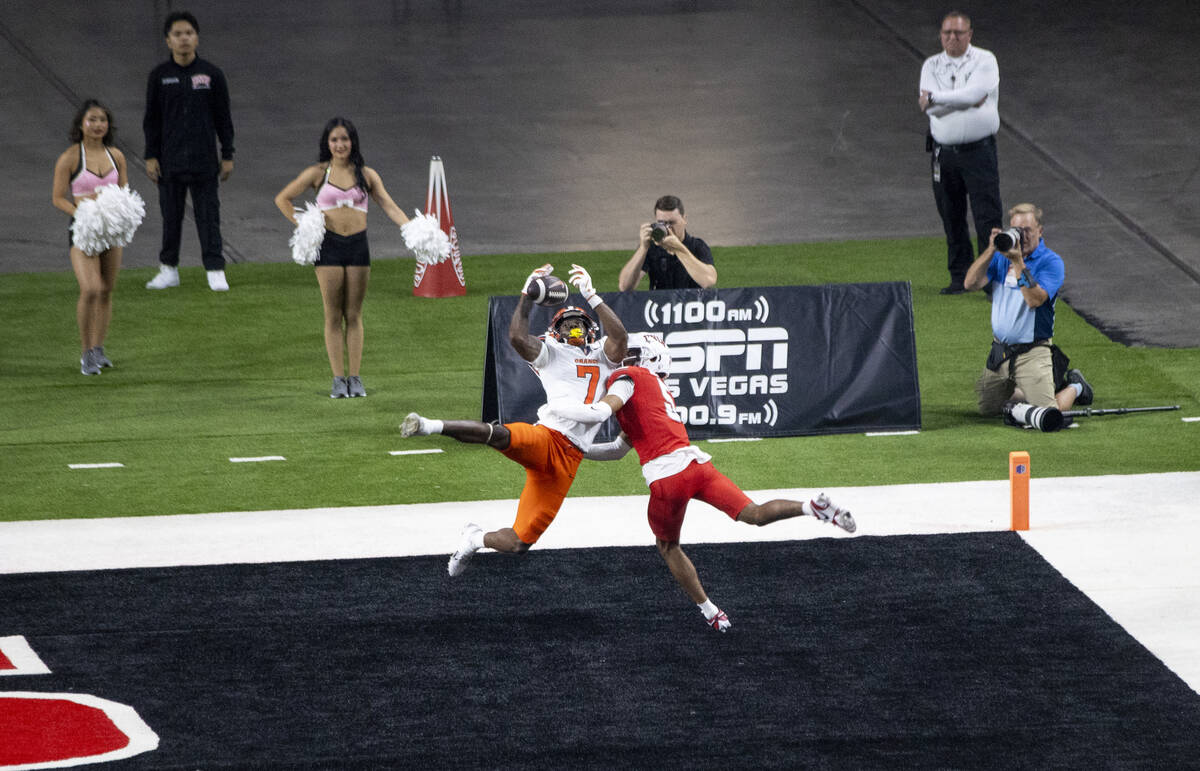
1027,279
595,301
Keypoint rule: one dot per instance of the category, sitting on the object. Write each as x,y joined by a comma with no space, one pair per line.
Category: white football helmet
646,349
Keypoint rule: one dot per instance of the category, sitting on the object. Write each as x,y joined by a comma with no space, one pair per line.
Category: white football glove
580,278
545,270
614,450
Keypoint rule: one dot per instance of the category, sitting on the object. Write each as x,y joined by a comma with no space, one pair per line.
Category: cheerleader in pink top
90,163
343,185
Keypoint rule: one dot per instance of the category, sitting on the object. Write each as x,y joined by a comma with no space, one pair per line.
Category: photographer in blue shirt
1025,277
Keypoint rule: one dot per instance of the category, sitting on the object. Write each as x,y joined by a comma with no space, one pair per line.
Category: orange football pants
550,462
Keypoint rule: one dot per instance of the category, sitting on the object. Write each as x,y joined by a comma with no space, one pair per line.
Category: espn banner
752,362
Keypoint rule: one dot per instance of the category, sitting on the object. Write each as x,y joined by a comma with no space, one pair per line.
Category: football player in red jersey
573,366
676,470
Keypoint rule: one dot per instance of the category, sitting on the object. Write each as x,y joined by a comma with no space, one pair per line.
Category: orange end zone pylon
1018,483
440,279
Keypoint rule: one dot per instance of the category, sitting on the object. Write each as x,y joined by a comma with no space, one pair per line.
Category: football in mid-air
547,290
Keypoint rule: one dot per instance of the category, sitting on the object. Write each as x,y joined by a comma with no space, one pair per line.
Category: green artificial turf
201,377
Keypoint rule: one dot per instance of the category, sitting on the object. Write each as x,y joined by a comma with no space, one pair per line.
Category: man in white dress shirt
960,92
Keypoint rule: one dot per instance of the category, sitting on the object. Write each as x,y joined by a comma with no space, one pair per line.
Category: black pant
172,195
969,171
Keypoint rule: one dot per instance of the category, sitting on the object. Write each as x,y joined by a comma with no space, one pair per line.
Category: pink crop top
330,196
87,182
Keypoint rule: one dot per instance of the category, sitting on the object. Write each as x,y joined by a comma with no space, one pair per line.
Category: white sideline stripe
892,433
413,452
95,465
1125,541
259,459
736,439
1190,420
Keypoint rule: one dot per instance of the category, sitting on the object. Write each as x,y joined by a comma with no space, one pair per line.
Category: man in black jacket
187,110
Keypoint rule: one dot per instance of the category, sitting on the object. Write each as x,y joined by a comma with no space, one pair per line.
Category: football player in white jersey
572,364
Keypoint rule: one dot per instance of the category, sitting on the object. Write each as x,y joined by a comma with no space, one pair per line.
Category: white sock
476,538
708,609
808,509
1078,389
431,426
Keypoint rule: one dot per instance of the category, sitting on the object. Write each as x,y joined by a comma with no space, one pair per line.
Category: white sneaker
217,282
168,276
411,426
466,550
828,511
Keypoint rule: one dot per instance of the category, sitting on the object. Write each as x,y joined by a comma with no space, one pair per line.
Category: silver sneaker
411,425
99,357
466,550
340,389
355,387
87,363
828,511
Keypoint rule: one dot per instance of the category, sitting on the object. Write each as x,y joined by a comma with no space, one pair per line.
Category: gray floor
561,122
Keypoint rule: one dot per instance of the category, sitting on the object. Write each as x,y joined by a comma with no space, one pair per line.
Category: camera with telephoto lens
1042,418
659,231
1007,240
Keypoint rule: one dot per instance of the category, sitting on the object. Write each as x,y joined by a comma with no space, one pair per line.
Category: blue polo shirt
1012,320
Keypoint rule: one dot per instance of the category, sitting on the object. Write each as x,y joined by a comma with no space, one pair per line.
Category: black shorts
344,251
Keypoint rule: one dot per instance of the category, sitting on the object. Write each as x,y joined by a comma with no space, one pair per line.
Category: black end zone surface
928,651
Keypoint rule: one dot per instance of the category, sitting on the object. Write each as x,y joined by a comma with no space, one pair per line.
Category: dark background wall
560,123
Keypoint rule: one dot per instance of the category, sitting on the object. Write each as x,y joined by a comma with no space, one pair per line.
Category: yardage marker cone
440,279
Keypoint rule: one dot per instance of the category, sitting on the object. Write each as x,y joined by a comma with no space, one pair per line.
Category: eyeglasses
955,32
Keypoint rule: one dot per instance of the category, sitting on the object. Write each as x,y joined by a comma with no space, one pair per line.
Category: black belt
968,146
1002,352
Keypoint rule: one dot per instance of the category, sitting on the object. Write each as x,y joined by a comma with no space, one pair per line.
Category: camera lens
1007,240
658,231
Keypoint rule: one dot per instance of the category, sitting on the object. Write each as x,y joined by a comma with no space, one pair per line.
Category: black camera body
1006,240
659,231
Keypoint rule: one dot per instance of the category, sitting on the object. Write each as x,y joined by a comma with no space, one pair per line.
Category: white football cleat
828,511
168,276
719,622
411,426
466,550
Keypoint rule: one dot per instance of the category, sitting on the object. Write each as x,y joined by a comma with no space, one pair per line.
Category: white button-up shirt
957,85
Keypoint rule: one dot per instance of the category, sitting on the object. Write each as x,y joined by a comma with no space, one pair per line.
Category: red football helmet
586,336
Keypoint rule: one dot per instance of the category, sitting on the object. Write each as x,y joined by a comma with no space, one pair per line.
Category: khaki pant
1032,372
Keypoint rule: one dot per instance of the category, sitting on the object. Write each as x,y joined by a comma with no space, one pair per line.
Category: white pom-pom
110,219
123,211
424,235
310,232
87,231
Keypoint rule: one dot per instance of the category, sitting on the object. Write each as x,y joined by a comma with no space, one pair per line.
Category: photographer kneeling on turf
1025,277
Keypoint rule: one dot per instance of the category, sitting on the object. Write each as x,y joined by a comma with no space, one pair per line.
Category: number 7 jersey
576,373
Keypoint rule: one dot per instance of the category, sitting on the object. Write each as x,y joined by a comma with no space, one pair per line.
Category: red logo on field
69,728
18,658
